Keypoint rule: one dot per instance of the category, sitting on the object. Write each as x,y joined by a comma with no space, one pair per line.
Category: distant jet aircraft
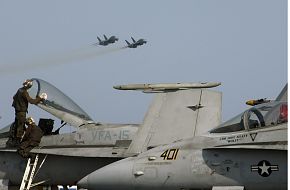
136,43
106,40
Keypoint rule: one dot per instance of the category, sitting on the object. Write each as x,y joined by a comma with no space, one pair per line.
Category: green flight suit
20,103
31,139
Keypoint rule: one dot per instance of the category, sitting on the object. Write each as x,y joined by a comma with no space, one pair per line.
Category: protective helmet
27,83
29,121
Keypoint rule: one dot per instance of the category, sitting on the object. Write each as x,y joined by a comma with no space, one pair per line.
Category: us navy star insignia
264,168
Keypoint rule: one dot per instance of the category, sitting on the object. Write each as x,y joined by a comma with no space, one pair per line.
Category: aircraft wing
115,150
97,152
101,152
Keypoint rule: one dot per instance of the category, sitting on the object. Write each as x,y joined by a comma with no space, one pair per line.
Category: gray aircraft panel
185,166
209,115
143,132
177,115
175,119
95,152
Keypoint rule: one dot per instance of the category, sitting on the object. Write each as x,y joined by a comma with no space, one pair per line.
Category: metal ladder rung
32,173
29,174
24,179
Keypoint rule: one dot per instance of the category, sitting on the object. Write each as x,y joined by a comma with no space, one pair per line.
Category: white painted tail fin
177,115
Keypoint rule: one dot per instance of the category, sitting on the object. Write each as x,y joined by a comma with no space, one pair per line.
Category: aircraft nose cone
114,176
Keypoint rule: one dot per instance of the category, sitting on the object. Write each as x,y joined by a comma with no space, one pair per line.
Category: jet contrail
57,59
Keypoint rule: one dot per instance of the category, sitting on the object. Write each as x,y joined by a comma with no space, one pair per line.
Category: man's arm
31,100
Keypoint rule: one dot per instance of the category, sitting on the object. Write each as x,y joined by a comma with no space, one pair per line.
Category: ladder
30,173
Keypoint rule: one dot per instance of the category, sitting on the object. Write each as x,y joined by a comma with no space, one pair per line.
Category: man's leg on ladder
22,150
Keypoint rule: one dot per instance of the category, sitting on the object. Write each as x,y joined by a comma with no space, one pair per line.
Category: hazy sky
241,43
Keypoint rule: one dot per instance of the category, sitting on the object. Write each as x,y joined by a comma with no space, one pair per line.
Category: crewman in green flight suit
31,138
20,104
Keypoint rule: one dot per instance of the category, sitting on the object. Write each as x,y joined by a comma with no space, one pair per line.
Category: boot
31,156
22,153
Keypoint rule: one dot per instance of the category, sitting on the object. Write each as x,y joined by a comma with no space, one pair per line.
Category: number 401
170,154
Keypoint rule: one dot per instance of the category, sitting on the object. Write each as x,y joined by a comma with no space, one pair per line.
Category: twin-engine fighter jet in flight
106,40
135,43
113,39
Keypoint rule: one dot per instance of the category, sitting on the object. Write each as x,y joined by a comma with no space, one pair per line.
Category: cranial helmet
29,121
27,83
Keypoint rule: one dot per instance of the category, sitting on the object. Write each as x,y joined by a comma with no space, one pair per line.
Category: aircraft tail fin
99,39
105,37
133,39
283,96
177,115
127,43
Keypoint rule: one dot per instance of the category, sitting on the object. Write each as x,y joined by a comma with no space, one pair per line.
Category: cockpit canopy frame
263,115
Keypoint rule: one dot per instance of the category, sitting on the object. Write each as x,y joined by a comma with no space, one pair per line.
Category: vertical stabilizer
177,115
283,96
127,43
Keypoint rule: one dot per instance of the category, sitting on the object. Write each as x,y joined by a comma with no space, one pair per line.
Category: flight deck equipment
30,173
